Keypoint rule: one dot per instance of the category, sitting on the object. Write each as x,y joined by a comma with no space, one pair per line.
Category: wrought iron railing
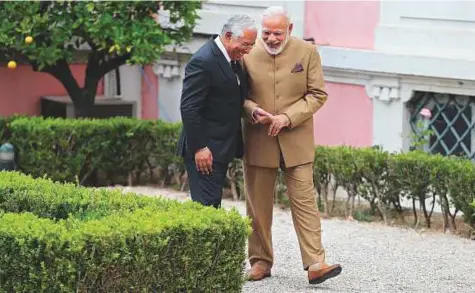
450,129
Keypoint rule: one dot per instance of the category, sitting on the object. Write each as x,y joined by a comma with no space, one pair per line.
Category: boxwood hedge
58,237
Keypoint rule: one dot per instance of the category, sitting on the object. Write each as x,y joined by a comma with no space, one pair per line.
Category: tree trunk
422,201
334,189
432,208
97,66
83,99
381,207
351,196
449,219
452,224
414,212
347,205
325,200
82,109
445,211
232,182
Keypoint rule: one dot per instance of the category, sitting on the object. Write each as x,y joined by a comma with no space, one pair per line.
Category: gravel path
375,258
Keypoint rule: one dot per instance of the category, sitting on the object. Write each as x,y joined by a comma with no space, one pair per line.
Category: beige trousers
260,185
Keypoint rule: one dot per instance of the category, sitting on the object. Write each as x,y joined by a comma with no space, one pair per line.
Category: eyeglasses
246,45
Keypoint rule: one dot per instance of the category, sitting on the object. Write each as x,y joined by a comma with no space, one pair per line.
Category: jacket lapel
243,82
222,62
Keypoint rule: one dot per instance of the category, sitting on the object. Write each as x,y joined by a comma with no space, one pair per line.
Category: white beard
278,50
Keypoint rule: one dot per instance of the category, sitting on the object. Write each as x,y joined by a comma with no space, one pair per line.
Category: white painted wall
427,28
169,90
131,85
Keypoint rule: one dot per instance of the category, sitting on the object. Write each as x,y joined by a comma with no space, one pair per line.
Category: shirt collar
220,45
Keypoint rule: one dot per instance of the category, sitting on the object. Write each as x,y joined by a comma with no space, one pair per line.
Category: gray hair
276,11
237,23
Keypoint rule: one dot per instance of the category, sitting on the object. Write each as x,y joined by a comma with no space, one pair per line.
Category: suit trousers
206,189
260,184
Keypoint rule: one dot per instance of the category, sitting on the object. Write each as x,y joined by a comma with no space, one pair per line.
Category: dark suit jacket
212,105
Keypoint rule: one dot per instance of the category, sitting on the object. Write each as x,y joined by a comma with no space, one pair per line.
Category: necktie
236,66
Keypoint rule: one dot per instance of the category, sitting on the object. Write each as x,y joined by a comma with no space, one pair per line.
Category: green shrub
384,180
75,150
322,175
461,188
414,175
68,150
49,242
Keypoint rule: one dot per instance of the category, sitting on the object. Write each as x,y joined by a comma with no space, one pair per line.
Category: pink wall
349,24
21,89
346,118
149,94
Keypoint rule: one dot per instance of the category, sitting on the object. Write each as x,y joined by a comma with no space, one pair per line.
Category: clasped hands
204,157
277,122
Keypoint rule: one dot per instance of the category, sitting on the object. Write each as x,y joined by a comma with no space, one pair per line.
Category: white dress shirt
220,45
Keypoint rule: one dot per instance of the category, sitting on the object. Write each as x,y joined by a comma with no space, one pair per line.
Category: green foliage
384,180
132,244
111,28
115,147
121,146
5,127
41,197
421,135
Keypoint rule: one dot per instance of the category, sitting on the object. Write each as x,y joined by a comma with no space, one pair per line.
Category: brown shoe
259,270
323,274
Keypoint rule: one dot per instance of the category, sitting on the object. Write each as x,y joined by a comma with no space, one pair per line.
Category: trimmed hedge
62,238
66,149
385,180
72,150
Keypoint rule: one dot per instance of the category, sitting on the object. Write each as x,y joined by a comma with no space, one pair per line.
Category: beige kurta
277,86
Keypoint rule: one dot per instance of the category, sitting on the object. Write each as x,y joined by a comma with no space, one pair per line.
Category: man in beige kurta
286,88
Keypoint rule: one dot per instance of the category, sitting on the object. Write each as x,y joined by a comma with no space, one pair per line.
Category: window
451,125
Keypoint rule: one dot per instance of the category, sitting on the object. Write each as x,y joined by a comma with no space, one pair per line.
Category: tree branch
113,63
87,39
91,70
62,72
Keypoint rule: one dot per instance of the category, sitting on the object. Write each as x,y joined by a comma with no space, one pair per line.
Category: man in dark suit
214,90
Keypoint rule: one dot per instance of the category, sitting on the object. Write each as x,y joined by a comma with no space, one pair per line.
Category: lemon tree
50,35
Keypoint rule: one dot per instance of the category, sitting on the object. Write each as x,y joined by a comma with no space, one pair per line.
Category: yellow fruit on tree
29,40
12,64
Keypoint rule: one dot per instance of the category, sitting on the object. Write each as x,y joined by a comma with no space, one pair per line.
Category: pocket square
297,68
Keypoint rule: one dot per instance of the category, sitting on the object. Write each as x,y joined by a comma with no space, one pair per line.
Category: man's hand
204,161
261,116
277,123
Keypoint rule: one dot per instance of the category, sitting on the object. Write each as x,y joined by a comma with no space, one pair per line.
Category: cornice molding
383,63
385,79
